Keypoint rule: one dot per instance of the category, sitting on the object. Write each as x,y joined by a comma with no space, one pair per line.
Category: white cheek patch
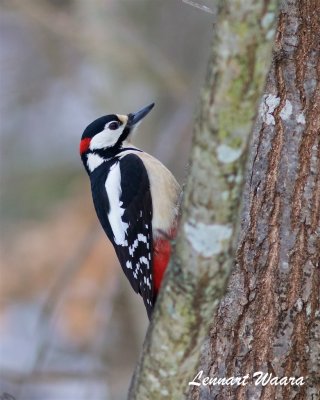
106,138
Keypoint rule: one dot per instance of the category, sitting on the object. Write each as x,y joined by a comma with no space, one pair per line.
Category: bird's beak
134,118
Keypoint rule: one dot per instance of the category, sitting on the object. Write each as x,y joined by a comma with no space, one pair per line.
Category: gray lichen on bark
196,279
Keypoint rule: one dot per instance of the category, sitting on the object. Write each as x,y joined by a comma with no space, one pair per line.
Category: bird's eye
114,125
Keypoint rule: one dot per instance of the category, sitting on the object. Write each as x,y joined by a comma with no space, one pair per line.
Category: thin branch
201,7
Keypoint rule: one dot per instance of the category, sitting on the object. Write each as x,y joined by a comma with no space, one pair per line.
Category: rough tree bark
196,280
269,319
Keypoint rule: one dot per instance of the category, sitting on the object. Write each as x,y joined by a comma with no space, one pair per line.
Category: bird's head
105,135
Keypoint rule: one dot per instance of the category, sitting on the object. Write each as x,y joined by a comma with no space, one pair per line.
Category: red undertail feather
161,257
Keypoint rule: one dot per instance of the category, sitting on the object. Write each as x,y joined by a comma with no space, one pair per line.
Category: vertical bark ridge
269,320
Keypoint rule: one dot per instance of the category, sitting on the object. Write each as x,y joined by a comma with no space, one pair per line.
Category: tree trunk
269,319
196,280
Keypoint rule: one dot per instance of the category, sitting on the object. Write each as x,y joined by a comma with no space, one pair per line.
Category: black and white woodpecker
135,197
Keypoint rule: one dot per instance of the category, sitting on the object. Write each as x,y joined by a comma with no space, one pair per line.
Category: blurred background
70,325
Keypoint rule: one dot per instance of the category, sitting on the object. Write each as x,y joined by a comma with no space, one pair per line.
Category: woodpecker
135,197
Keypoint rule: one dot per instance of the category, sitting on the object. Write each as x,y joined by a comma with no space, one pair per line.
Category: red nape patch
84,145
161,257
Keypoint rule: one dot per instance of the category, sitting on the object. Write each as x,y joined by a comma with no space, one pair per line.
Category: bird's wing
135,251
